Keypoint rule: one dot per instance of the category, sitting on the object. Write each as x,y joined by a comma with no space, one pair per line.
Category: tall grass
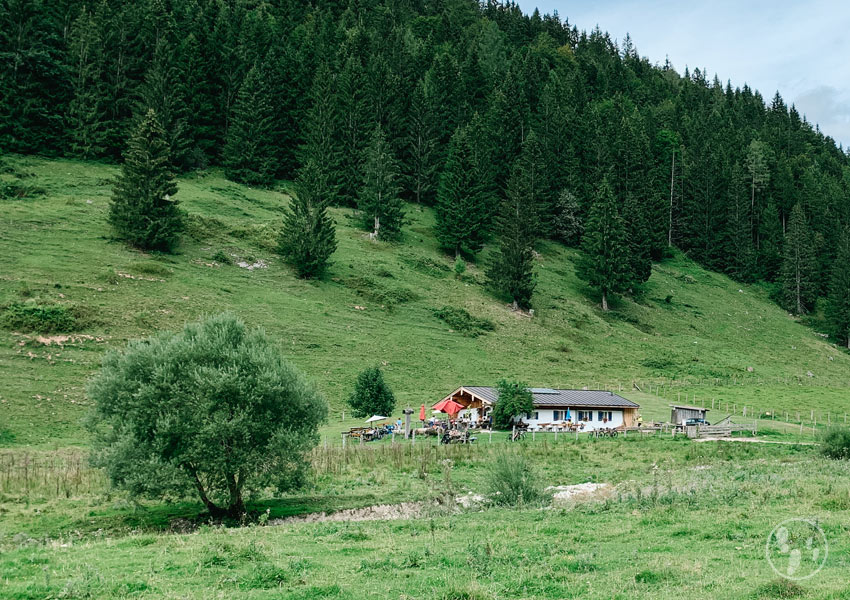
44,475
512,480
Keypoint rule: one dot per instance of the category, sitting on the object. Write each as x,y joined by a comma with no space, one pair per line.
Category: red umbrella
450,407
422,413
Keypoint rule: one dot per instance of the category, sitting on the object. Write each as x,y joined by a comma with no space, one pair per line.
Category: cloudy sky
801,48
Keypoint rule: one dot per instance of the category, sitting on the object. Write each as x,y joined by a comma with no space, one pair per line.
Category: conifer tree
759,175
770,251
86,111
143,211
738,235
419,150
511,267
799,265
638,241
604,262
322,143
249,154
838,300
565,220
378,201
162,91
308,237
463,208
354,128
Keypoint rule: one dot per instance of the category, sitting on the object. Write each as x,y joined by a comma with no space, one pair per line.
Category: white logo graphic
796,549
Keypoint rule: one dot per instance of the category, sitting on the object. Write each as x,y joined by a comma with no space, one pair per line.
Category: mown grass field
688,519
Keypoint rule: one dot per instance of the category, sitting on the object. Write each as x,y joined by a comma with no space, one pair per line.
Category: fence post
343,440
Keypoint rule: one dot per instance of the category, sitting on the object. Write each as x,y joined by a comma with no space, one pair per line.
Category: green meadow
683,518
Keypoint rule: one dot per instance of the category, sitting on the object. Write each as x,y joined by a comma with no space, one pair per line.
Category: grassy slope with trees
377,305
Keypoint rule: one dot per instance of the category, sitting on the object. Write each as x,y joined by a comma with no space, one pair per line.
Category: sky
799,47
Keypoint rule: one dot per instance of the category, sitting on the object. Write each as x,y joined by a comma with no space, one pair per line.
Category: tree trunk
215,511
377,226
670,218
604,302
236,507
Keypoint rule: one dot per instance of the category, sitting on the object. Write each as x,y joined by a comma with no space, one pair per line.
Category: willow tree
213,410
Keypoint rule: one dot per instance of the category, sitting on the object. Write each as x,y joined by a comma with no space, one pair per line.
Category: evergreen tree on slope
308,237
604,262
143,211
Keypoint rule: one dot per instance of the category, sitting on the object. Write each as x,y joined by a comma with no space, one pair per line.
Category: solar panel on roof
543,391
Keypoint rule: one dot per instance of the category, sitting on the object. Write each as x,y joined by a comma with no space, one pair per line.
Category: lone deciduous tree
213,410
514,400
143,211
371,395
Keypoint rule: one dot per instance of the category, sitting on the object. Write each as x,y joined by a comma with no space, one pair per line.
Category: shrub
151,268
222,257
512,481
387,296
514,400
39,318
835,442
371,395
166,408
460,267
460,320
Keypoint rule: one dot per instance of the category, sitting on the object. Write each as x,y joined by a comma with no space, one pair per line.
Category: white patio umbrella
374,418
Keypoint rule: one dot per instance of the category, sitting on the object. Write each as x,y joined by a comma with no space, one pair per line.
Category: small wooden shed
680,413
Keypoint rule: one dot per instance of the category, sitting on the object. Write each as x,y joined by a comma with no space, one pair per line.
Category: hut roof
551,397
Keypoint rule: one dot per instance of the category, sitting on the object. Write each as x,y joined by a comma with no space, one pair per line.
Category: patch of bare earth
565,495
380,512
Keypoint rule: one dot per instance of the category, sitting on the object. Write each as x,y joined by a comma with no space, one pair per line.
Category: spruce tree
463,208
86,112
143,211
604,263
322,144
770,249
378,201
308,237
249,154
566,224
799,266
511,267
638,241
162,91
838,300
419,150
354,127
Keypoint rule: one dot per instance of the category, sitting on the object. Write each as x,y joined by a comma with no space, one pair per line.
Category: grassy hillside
377,305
